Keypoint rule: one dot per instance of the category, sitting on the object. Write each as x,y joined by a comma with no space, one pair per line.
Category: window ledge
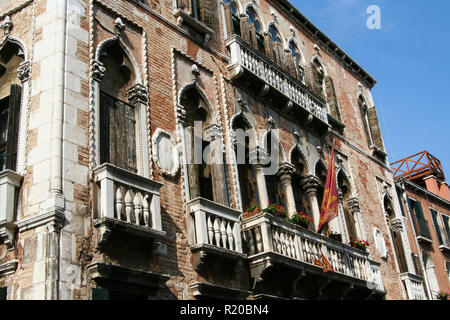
198,26
424,239
444,248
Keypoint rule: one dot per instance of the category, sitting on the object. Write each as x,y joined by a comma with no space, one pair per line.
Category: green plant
360,244
250,209
276,210
443,295
301,219
335,236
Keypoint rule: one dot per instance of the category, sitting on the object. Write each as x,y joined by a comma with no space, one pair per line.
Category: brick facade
60,249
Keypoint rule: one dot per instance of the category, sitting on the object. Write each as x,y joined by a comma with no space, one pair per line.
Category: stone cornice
8,267
416,187
53,218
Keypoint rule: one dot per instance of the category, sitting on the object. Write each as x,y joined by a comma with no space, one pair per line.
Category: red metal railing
419,165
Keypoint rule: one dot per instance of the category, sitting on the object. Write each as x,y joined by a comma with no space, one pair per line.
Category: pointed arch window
206,173
363,108
117,113
247,178
295,65
255,30
273,184
344,187
301,203
232,17
395,234
276,46
11,57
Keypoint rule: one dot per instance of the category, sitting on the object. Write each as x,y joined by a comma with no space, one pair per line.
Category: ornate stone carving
138,94
195,71
353,205
396,224
258,156
23,72
98,70
310,184
181,113
6,25
285,172
119,25
213,132
165,154
7,234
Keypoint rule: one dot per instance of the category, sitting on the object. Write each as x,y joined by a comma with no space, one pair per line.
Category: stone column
285,175
353,207
310,184
255,157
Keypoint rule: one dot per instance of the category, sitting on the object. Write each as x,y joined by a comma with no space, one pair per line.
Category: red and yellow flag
329,209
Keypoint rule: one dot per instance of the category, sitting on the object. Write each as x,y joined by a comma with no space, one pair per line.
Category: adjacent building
425,203
102,103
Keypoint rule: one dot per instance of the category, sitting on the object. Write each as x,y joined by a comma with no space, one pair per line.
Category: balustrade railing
244,55
128,197
215,225
414,286
266,233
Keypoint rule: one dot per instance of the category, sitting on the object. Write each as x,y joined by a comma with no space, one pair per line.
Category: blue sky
410,59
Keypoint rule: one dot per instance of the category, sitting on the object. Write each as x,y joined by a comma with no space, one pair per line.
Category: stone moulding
53,218
8,267
209,290
168,167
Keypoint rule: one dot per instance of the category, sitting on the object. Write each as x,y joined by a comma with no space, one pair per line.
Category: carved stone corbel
98,70
23,72
7,234
396,224
7,26
137,94
310,184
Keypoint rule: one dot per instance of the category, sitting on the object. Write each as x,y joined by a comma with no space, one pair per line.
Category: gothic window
301,203
273,184
344,187
396,235
247,179
232,17
255,30
321,173
276,45
11,56
206,175
117,114
364,113
296,66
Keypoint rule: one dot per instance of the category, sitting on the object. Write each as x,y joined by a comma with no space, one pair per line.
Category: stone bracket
7,234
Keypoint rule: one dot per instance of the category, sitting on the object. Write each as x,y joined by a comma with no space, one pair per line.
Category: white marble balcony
243,57
214,225
414,286
127,200
267,235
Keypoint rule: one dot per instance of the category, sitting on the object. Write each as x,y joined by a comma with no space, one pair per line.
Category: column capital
310,184
353,204
137,93
396,224
258,156
98,70
286,171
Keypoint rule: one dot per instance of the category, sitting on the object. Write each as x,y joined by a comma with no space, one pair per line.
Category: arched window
277,46
275,192
206,175
323,86
396,235
117,114
363,108
301,202
344,187
11,56
202,10
232,17
247,179
255,29
296,67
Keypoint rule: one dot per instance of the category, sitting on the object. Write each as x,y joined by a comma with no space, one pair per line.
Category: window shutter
398,247
105,102
278,53
245,34
436,226
130,137
100,294
375,127
229,19
268,45
13,126
289,65
252,32
418,269
184,4
192,168
331,98
206,11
